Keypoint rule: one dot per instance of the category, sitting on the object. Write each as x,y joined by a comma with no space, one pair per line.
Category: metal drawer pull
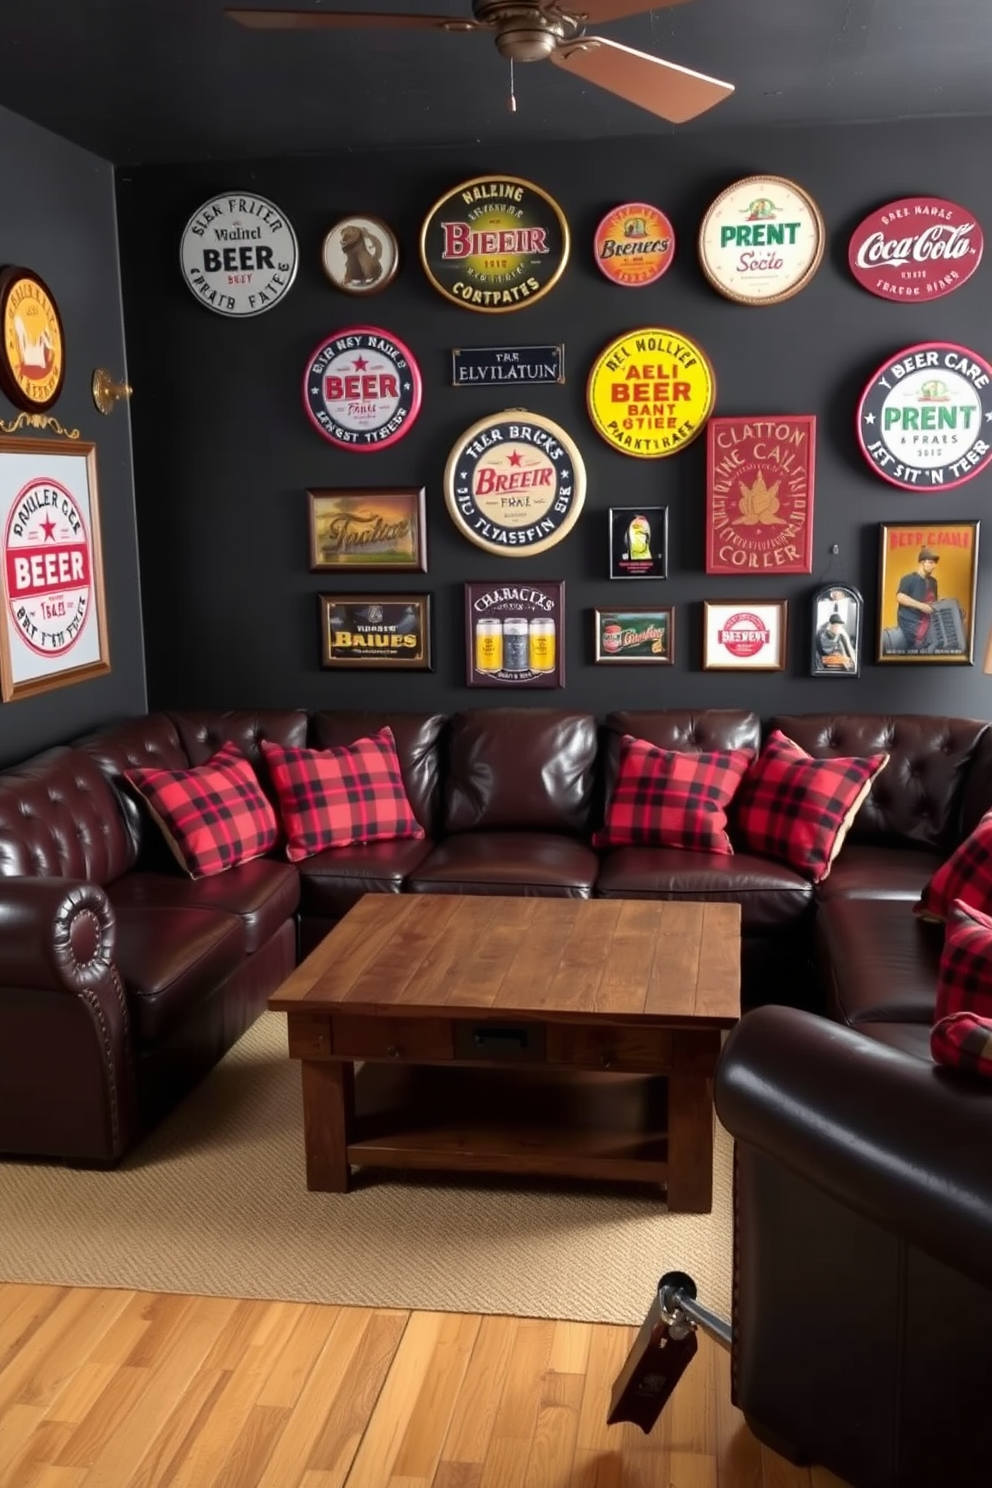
500,1040
394,1051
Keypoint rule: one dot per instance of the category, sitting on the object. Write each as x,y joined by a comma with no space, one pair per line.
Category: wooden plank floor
118,1389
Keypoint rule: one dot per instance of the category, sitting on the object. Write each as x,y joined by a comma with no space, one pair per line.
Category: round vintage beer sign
634,245
744,634
238,254
494,243
515,483
32,350
761,240
917,248
922,418
650,392
47,568
362,388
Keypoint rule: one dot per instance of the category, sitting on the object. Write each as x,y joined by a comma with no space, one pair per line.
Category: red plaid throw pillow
334,797
967,875
797,808
212,816
962,1033
668,798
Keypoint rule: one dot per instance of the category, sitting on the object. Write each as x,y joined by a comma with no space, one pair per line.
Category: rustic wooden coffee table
566,1037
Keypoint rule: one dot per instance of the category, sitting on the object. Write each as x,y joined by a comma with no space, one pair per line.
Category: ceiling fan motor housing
524,33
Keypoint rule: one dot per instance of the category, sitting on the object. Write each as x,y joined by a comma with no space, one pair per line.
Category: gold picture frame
381,530
927,605
54,627
380,632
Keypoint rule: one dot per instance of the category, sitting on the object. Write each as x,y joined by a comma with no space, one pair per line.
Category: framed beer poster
636,634
744,635
638,542
759,494
381,632
54,629
927,573
374,531
514,634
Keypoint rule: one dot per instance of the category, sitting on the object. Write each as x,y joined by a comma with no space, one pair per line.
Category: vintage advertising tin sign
32,345
515,483
650,392
475,366
238,254
759,494
362,388
634,245
922,417
917,248
761,240
494,243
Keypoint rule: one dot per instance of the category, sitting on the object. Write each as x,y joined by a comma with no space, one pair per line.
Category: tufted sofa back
702,731
528,768
919,796
60,818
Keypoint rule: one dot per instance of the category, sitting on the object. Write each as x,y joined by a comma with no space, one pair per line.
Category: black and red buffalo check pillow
962,1033
967,875
213,815
797,808
669,798
335,797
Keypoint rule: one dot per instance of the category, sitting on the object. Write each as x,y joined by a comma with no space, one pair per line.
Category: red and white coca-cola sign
915,249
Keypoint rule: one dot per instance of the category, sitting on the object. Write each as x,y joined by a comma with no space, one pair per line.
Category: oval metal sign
515,483
634,245
362,388
761,240
650,392
238,254
494,243
917,248
922,417
32,344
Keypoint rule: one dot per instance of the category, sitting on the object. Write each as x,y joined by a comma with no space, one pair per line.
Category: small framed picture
360,255
376,631
926,592
636,634
744,635
374,531
638,542
837,624
514,634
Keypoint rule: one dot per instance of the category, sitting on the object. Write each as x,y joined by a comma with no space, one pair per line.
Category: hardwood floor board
570,1347
104,1418
519,1403
693,1469
62,1341
18,1423
252,1450
305,1344
506,1462
23,1309
458,1475
164,1315
474,1415
606,1358
159,1465
335,1447
49,1475
562,1390
423,1440
552,1449
600,1470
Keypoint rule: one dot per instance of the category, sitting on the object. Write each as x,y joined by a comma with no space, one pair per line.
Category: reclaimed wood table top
558,959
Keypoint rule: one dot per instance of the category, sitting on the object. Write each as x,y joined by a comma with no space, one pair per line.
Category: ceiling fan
542,30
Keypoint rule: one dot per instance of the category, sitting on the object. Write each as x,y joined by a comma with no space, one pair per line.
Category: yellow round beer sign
650,392
32,347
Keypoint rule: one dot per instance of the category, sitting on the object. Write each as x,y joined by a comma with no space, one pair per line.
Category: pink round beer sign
914,249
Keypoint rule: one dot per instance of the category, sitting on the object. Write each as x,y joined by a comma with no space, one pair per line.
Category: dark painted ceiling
139,81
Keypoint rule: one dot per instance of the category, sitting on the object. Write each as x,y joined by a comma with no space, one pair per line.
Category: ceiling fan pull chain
512,100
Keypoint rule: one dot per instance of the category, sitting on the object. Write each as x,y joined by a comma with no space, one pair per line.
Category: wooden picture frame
381,530
908,580
836,631
54,628
515,634
378,632
638,542
635,635
744,635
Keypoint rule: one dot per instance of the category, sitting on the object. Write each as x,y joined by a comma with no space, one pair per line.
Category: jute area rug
215,1203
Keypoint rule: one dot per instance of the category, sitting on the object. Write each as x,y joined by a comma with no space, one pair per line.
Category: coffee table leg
690,1144
328,1104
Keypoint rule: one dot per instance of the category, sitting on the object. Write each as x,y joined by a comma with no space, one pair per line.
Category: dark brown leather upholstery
520,768
264,893
534,864
331,882
771,895
879,961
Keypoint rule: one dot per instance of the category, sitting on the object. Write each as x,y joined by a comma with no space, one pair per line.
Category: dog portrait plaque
360,255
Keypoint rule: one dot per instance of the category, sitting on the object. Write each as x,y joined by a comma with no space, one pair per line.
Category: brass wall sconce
107,392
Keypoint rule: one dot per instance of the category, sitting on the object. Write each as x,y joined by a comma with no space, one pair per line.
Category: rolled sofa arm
66,1077
902,1142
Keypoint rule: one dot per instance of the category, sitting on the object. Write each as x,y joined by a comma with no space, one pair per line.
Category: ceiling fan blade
663,88
316,20
601,11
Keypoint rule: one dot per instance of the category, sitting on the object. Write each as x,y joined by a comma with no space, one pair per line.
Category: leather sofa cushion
863,870
61,818
170,959
771,895
527,768
331,882
918,796
880,962
541,864
263,893
417,738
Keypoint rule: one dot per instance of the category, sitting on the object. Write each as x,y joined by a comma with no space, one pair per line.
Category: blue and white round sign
238,254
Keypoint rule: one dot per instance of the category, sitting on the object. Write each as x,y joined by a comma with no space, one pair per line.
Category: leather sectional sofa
122,981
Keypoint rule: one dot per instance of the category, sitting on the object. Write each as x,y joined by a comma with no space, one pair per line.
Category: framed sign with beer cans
514,634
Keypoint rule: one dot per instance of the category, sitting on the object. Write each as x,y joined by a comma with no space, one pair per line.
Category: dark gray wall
59,219
224,451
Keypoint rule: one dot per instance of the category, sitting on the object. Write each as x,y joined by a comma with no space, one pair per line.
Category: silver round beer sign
239,254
